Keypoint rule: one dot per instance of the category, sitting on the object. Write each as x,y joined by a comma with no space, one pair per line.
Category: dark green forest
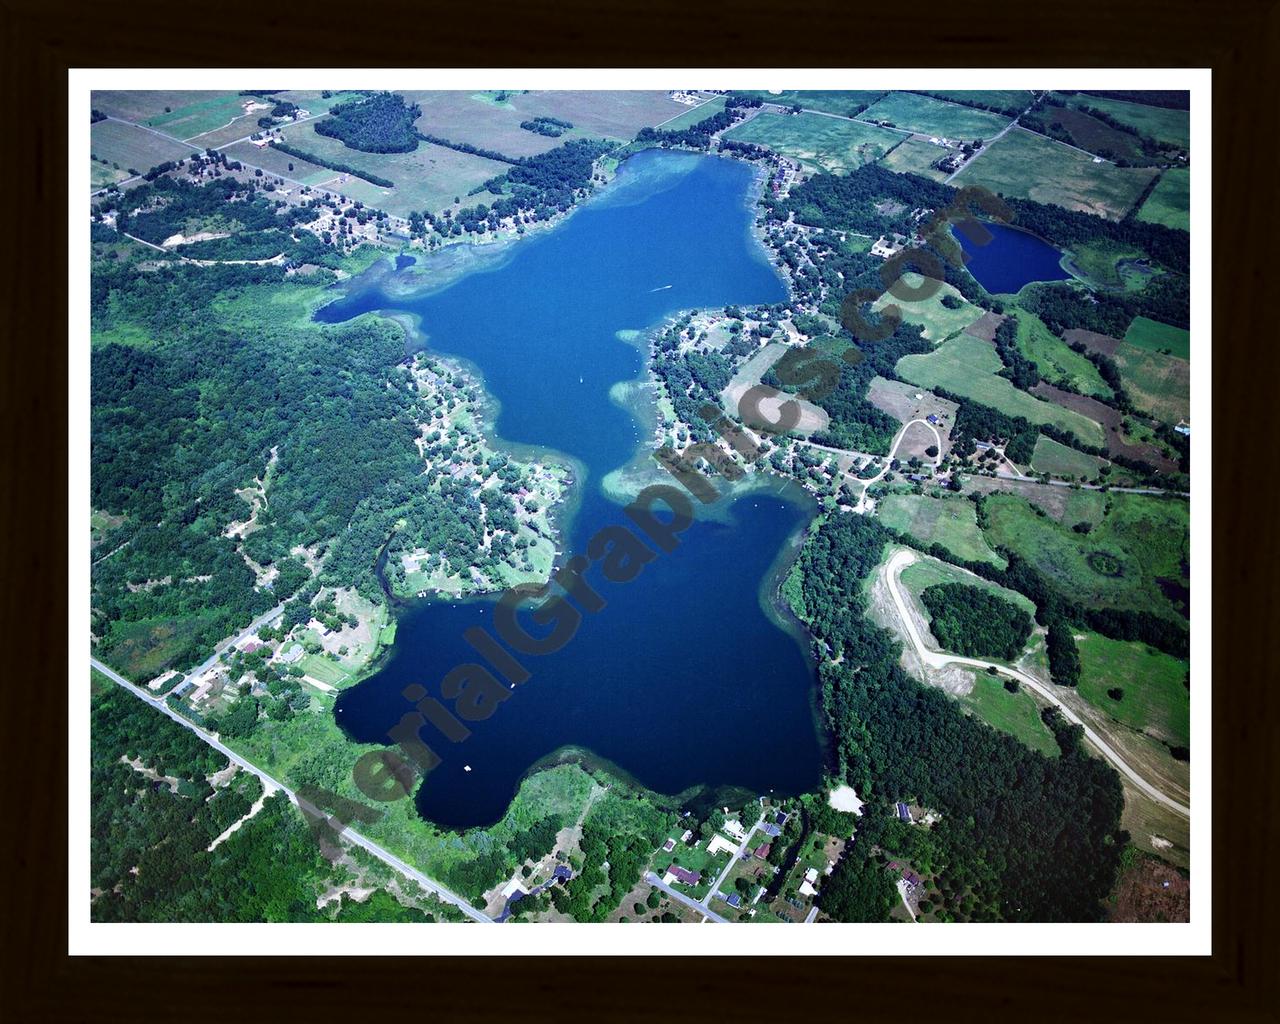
975,623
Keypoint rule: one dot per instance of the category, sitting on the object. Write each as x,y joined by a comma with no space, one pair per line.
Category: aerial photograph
669,505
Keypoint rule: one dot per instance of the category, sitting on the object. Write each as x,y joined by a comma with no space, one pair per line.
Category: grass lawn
1160,123
929,116
968,366
133,148
1159,384
427,179
317,666
950,522
1119,563
939,322
1018,714
1057,362
816,140
1155,700
1031,166
916,156
101,175
1157,337
1059,460
1170,201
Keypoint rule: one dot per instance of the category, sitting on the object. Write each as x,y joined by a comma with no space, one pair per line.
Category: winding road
938,659
445,894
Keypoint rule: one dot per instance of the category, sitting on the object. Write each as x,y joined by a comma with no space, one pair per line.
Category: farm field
141,104
1160,123
1059,460
843,102
429,178
1096,136
817,141
1018,714
215,111
1119,442
132,147
1031,166
612,115
1122,562
273,161
1159,384
1155,700
939,322
475,120
929,116
968,366
1016,100
950,522
1063,504
692,115
1157,337
1056,360
1170,201
916,156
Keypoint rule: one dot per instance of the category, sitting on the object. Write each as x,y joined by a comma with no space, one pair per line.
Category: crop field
1030,166
938,321
1157,337
928,116
132,147
1059,460
1018,714
611,115
1142,543
968,366
1170,201
1056,360
950,522
141,104
831,101
1155,699
692,115
274,161
427,179
1159,384
1118,442
916,156
1016,100
217,110
1160,123
817,141
472,118
1096,136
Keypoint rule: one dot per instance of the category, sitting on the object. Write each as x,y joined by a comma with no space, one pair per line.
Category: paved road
244,634
937,659
737,854
680,897
351,835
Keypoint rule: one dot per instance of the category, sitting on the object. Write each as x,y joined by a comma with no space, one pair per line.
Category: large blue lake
1011,259
686,678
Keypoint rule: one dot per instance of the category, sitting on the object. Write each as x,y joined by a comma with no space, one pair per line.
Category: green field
1170,201
1111,265
1119,563
1157,337
692,115
1031,166
1018,714
950,522
1159,384
611,115
916,156
101,175
1160,123
832,101
215,111
816,140
273,161
427,179
474,119
133,148
938,321
1155,698
1007,99
317,666
928,116
1057,362
141,104
968,366
1059,460
928,572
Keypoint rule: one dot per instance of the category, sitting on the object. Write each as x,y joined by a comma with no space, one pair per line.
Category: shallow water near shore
687,677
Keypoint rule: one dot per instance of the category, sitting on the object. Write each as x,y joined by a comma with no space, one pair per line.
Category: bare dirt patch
1103,344
985,326
915,440
899,401
1152,891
